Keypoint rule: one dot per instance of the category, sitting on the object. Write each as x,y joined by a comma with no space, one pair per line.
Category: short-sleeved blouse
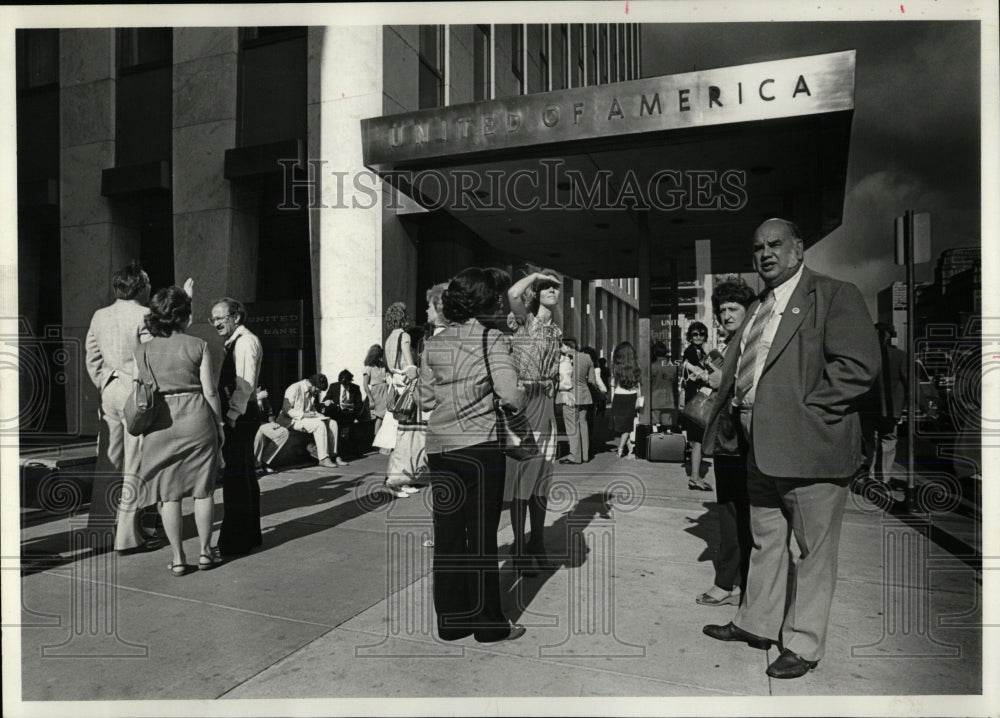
535,347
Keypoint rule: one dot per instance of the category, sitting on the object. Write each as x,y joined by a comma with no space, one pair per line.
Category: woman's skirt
180,454
531,477
622,413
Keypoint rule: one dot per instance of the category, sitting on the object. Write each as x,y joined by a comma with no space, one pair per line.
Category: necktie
748,359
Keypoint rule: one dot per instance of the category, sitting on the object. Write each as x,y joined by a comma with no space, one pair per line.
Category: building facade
234,156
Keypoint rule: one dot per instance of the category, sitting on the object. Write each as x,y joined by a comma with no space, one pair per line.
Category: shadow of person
566,547
706,527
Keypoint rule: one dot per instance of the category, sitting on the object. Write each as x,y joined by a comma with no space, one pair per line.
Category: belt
180,393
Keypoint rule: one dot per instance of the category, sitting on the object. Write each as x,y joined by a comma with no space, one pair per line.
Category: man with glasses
240,532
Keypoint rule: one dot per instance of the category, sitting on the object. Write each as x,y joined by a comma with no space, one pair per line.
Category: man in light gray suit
115,333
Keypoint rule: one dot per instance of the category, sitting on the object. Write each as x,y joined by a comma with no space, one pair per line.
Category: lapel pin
795,310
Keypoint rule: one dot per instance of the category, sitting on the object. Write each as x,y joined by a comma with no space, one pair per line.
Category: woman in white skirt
535,349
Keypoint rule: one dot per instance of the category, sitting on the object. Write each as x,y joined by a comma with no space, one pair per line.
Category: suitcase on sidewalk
668,448
642,434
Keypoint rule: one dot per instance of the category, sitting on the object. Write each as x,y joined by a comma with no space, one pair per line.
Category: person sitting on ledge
299,412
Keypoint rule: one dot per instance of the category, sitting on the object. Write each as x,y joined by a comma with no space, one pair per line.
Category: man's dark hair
570,342
319,381
130,281
344,377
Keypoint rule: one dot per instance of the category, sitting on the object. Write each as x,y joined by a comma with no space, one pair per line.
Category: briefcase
666,447
642,434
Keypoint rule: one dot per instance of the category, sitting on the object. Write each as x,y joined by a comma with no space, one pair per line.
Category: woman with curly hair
408,459
468,368
374,381
181,451
626,394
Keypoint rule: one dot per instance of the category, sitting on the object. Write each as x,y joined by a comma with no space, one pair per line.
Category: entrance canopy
566,178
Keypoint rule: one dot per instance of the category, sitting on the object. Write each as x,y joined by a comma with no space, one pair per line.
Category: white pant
324,433
124,452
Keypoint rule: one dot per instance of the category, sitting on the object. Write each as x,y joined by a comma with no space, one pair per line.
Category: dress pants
240,530
577,431
467,489
324,433
813,510
116,483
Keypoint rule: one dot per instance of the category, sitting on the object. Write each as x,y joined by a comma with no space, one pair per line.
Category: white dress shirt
782,293
301,399
246,355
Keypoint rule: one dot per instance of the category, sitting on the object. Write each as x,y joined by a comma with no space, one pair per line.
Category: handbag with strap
143,404
514,433
403,404
698,408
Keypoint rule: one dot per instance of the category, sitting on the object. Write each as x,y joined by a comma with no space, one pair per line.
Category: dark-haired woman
374,382
730,301
625,395
180,453
696,370
466,366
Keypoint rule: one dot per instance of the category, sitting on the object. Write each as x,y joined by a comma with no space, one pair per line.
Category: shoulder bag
403,405
143,404
514,433
698,408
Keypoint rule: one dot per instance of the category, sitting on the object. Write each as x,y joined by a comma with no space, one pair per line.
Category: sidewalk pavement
337,603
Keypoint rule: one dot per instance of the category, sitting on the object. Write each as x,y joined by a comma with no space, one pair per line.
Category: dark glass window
141,47
517,55
543,61
602,56
613,53
272,91
592,57
560,68
431,79
482,63
37,58
576,40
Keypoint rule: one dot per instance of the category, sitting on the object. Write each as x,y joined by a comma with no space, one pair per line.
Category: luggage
642,434
665,448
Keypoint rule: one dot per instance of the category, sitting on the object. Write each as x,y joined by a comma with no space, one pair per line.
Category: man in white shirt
240,532
299,413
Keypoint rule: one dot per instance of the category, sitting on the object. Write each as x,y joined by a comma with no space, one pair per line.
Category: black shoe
732,632
525,565
790,665
516,631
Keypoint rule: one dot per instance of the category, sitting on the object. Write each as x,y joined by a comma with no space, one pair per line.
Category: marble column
355,242
215,220
97,236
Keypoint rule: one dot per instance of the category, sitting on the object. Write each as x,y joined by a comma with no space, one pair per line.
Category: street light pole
911,369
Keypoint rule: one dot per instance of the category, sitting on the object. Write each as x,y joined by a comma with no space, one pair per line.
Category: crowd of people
466,404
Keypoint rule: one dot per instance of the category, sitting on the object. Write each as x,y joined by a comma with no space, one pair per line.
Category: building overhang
561,177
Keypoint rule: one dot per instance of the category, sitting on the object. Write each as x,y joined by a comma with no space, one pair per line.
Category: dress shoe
327,464
790,665
732,632
516,631
341,462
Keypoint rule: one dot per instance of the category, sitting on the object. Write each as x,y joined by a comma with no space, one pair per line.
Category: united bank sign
768,90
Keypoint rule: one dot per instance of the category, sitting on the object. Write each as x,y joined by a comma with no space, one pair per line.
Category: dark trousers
240,532
467,486
732,561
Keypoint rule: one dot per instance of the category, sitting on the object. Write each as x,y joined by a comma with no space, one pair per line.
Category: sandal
177,569
730,599
699,485
208,561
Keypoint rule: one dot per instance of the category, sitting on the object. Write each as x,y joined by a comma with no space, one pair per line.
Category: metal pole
911,403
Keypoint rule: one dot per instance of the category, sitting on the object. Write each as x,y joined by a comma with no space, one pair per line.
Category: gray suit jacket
823,358
115,333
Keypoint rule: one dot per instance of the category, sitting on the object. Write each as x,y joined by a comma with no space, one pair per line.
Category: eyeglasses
699,334
213,320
